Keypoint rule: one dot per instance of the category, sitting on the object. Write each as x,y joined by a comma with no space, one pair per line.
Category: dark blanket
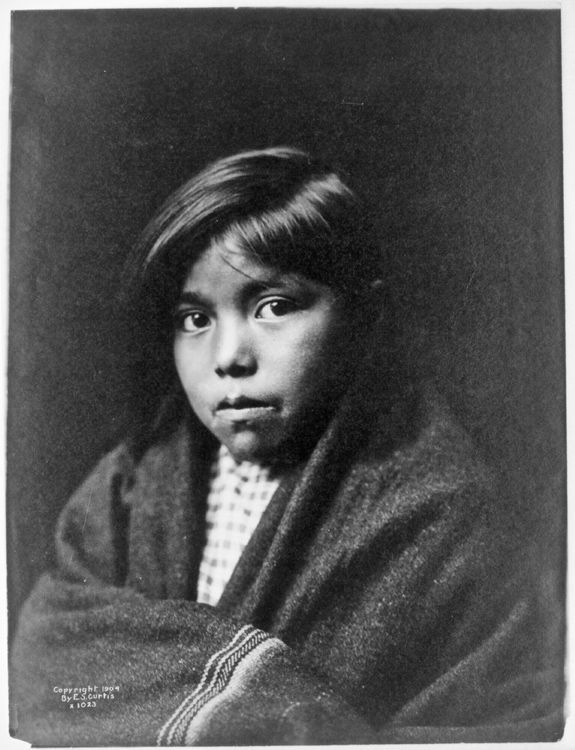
384,597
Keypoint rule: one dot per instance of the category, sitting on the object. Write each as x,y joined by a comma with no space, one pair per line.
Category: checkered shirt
238,495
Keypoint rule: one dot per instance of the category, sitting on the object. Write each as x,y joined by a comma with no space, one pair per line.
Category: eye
192,321
276,308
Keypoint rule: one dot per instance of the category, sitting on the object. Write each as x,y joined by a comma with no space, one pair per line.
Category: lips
242,409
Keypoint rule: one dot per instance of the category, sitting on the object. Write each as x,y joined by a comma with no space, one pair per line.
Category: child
296,545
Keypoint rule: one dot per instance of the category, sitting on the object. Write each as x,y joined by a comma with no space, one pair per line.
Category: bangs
319,232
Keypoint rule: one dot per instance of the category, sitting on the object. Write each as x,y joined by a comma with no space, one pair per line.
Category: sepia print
286,442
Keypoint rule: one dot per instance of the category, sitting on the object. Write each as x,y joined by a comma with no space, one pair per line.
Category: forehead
223,264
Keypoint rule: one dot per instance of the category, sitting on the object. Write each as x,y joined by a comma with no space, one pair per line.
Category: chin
248,447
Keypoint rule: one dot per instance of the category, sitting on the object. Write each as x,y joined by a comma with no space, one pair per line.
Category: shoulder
120,473
111,474
440,453
93,530
421,467
120,478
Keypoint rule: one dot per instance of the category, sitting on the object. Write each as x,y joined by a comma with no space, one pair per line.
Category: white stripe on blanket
235,687
224,672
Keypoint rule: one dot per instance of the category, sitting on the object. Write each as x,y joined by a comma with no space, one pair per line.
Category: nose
234,350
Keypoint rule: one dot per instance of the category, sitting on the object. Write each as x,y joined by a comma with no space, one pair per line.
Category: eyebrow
189,297
192,298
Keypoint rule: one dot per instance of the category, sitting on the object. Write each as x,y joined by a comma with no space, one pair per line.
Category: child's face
262,355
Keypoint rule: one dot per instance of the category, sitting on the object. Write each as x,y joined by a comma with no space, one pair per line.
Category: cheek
328,345
181,364
189,371
315,362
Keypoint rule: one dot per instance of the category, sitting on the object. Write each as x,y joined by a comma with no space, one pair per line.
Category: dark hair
279,204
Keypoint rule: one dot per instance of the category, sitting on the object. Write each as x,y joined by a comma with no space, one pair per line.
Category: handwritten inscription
88,696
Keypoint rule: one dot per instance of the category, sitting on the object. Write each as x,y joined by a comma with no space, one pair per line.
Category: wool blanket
384,597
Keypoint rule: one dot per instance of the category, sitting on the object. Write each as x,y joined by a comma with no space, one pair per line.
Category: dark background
449,121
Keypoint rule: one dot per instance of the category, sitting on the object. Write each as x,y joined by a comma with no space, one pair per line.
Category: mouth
243,409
